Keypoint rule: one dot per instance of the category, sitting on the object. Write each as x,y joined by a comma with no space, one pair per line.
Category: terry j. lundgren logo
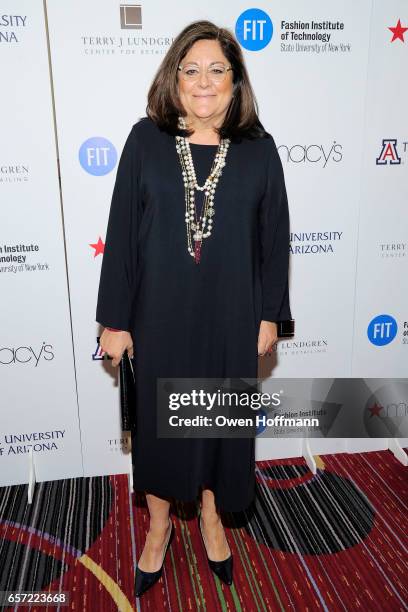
119,445
302,346
393,250
389,152
97,156
14,173
131,16
254,29
9,27
112,43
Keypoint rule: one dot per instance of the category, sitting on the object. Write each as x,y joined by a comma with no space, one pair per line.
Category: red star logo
375,410
99,247
398,31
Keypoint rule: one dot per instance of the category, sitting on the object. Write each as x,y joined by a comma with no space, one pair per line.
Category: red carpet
333,541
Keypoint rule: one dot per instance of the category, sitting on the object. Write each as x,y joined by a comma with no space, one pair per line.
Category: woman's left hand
268,336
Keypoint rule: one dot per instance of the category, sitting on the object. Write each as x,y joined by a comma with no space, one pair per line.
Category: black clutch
127,386
286,329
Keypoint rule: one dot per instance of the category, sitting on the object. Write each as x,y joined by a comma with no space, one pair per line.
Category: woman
196,278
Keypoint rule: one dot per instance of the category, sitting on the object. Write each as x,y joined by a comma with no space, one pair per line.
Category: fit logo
254,29
97,156
382,330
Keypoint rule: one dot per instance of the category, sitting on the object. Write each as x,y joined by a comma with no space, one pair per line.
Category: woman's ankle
210,517
159,526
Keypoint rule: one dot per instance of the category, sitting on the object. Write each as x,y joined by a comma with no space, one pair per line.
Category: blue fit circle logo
97,156
382,329
254,29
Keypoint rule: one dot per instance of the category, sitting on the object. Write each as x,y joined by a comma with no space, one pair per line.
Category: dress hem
162,494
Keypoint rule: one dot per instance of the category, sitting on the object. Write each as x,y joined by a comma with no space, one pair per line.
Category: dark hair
163,102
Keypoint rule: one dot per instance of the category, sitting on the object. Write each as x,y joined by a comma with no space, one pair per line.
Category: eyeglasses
216,73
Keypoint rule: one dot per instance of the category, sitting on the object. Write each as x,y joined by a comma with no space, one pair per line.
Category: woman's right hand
115,343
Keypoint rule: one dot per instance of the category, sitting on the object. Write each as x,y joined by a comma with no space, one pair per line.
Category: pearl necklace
196,226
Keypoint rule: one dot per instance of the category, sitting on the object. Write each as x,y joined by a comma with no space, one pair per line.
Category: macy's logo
25,354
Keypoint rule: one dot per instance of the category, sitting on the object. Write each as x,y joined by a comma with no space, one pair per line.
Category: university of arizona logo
99,353
389,154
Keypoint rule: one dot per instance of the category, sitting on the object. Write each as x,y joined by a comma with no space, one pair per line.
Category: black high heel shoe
145,580
222,569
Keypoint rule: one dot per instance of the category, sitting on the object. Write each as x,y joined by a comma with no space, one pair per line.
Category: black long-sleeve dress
188,319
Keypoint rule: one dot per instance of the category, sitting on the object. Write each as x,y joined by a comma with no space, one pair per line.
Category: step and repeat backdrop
330,88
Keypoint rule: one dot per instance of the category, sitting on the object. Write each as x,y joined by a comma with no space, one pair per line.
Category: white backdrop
38,400
329,104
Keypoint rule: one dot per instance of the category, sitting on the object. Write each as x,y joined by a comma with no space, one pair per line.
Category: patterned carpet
333,541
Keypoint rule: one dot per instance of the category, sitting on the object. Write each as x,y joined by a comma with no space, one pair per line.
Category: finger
115,362
270,346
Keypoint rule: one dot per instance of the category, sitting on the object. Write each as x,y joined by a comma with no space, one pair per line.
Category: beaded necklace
199,227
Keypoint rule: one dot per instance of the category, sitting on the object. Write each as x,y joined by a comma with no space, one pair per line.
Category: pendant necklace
199,227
